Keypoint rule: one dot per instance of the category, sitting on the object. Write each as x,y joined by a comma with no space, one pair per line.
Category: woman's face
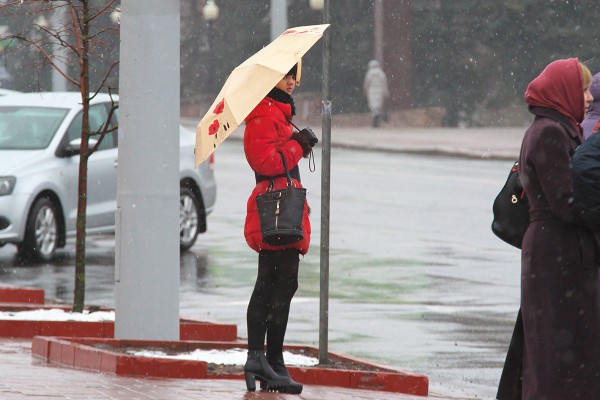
287,84
587,98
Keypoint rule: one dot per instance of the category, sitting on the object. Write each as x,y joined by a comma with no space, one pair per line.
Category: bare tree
79,38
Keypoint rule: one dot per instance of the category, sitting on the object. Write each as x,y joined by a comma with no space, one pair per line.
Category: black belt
294,173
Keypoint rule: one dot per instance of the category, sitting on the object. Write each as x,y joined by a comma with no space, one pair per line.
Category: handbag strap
287,172
287,175
292,173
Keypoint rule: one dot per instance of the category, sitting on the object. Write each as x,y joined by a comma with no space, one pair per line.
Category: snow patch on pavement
226,357
57,314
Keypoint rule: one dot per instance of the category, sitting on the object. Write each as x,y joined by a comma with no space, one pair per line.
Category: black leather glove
303,142
310,136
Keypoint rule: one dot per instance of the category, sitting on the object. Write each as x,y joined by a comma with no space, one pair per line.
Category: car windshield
29,128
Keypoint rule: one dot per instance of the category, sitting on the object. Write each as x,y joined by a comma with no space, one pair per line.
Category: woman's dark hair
293,71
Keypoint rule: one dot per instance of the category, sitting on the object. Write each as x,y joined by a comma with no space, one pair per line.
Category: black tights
269,306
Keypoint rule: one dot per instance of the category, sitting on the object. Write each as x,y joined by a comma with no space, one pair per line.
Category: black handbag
280,212
511,210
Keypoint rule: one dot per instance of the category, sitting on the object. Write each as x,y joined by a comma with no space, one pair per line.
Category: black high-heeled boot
277,364
257,367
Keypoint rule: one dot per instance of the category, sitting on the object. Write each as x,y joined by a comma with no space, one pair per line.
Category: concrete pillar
147,231
278,18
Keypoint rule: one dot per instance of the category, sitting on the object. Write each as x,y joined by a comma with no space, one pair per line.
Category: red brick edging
15,298
103,355
188,329
15,294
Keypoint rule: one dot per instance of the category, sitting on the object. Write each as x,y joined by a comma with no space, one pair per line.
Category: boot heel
257,367
250,381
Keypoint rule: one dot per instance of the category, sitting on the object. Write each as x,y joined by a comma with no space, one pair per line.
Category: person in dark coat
267,138
593,113
585,172
555,350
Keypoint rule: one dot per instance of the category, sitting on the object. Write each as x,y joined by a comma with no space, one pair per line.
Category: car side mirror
74,147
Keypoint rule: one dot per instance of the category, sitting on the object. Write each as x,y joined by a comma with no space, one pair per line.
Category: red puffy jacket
267,133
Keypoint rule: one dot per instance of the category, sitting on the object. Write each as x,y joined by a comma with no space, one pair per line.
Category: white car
39,167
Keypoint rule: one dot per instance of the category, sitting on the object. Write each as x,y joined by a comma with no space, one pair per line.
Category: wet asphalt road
418,280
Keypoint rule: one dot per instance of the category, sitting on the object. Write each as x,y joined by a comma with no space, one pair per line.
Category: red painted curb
103,355
16,294
188,329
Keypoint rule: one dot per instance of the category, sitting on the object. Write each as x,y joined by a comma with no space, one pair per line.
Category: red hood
559,87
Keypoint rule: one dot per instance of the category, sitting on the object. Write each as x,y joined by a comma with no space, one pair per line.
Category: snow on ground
56,314
226,357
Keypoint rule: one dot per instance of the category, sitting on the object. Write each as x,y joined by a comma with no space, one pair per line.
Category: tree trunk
79,290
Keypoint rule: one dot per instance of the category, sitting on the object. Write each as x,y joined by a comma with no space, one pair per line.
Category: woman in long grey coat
375,87
556,350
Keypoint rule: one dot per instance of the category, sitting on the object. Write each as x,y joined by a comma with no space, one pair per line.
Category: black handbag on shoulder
511,210
280,212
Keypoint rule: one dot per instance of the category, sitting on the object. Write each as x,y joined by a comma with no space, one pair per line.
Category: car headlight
7,184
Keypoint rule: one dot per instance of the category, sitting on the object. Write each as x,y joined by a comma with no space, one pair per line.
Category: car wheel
41,231
188,218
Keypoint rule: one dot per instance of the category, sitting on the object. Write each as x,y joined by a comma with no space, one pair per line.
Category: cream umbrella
248,84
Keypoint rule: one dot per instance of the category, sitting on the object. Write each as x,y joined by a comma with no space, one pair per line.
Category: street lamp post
325,186
210,12
57,22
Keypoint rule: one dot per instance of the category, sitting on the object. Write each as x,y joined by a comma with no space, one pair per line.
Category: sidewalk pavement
476,143
27,378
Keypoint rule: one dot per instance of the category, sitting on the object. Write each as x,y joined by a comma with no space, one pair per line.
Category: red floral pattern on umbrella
289,31
213,128
219,107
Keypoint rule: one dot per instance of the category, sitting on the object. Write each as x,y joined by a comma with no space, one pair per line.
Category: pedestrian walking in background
554,353
375,87
593,113
267,138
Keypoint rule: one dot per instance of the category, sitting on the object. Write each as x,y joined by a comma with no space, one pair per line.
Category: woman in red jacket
268,137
